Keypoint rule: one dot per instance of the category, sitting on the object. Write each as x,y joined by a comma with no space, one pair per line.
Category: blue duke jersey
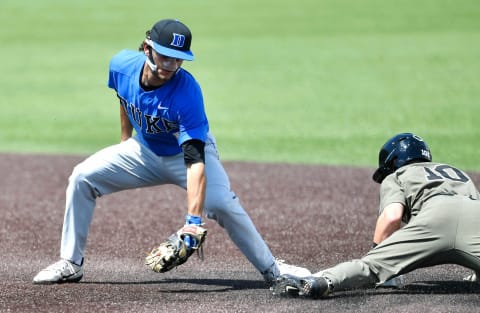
165,117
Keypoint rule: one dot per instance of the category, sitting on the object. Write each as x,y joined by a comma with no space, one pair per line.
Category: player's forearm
196,186
389,221
384,230
126,128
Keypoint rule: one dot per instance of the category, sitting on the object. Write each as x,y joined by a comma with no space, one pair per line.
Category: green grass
308,81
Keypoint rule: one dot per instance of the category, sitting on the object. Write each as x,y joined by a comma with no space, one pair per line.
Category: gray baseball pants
446,231
131,165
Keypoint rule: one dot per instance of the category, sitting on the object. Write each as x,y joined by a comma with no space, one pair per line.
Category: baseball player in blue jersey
162,104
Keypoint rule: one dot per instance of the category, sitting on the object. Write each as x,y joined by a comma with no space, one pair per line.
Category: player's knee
222,204
80,180
78,175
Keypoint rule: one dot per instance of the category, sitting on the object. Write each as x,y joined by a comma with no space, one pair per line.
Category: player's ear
146,49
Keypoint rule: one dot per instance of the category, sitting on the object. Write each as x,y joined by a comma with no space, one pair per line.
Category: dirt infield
314,216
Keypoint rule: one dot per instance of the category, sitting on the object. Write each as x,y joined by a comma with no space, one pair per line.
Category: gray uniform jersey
414,184
442,214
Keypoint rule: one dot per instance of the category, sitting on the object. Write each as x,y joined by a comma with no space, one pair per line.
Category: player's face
166,66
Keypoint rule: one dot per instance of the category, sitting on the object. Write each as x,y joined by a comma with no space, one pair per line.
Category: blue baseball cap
171,38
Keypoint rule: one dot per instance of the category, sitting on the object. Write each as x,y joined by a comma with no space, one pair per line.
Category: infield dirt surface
313,216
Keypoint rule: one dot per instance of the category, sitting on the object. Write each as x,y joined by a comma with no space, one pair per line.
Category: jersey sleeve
123,63
113,72
193,122
111,80
391,191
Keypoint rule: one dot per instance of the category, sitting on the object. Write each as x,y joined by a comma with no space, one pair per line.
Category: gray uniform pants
446,231
130,165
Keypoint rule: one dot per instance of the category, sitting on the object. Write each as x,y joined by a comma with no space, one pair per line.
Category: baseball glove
174,251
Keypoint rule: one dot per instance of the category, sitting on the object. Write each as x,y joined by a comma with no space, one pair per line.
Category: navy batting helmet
398,151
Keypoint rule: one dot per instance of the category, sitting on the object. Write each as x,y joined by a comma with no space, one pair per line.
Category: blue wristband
193,219
189,220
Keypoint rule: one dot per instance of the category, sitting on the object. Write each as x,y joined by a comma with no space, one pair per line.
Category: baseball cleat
62,271
306,287
279,267
287,269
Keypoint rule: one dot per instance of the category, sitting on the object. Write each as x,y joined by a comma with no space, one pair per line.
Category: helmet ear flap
387,168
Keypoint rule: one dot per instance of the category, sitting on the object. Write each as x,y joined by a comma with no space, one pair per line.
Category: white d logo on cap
178,40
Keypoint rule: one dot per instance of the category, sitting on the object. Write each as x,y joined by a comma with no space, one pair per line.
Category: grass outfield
307,81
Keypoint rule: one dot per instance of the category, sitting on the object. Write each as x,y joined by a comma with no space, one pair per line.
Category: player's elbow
393,214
